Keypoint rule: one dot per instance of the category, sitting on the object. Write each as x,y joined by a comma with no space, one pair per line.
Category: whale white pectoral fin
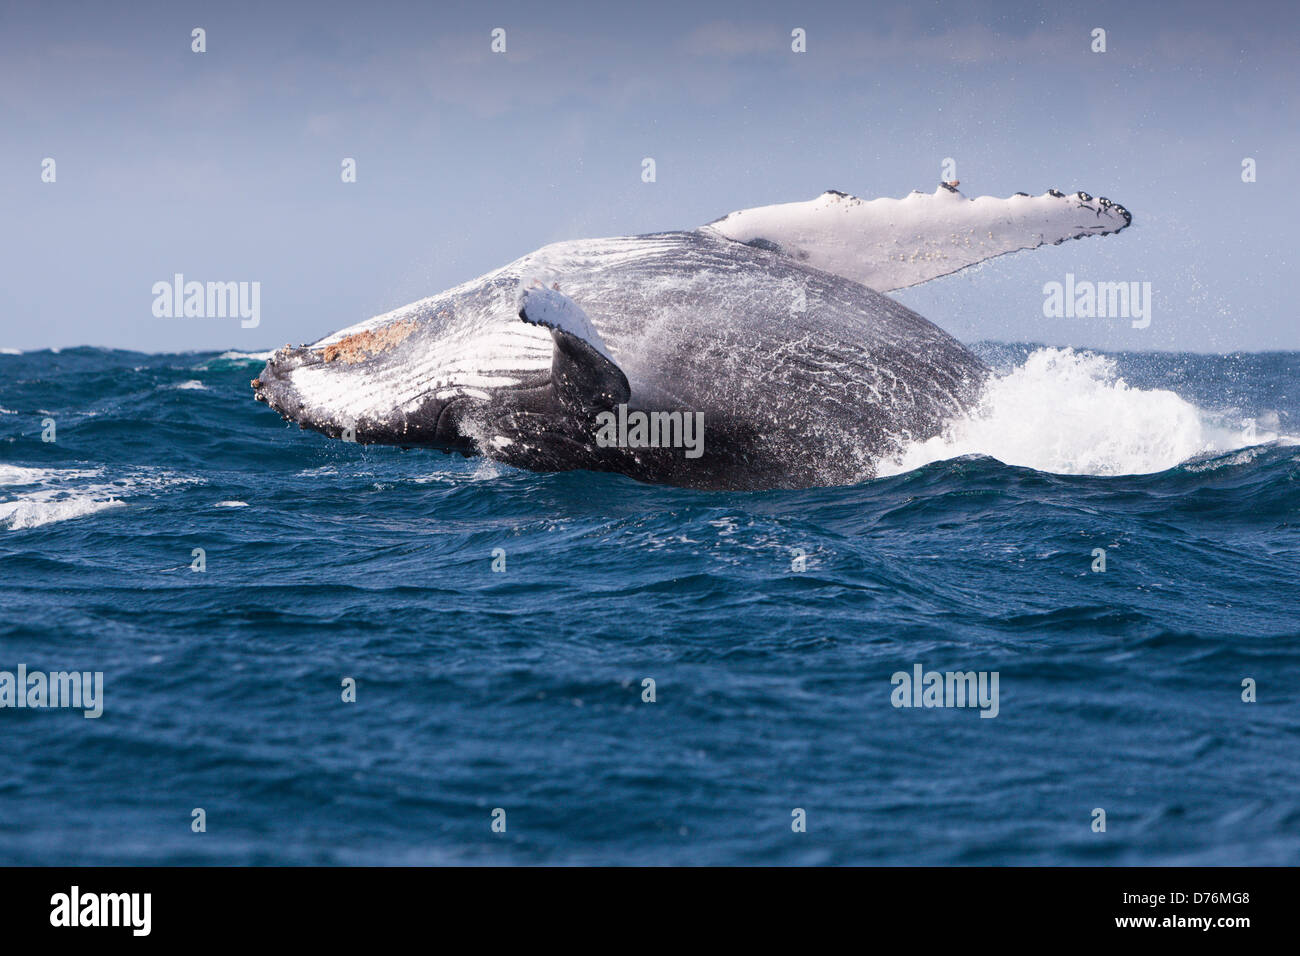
583,374
889,244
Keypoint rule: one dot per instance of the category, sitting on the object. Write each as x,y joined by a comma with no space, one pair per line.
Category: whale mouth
431,421
274,387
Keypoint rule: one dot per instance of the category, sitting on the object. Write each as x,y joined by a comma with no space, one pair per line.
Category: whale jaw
432,423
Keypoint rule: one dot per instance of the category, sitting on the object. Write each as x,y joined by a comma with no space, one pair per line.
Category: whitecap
19,475
50,495
1070,413
245,356
32,513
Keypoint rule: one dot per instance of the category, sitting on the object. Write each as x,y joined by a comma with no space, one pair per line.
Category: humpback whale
758,351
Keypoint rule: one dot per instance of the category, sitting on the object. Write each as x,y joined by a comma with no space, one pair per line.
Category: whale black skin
804,378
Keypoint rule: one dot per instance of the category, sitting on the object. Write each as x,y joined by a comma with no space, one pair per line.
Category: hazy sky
225,165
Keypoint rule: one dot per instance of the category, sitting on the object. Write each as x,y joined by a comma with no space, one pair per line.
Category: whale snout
274,384
276,387
315,390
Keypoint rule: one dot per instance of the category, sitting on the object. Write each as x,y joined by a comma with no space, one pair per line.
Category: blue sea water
523,689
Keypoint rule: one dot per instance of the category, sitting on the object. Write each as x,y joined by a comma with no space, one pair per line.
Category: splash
1069,413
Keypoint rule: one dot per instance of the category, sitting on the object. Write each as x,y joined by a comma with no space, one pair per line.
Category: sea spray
1069,412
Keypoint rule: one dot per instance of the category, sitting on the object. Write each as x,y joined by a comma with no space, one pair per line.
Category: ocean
580,669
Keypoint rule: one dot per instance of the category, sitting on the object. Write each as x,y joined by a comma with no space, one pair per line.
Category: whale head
312,387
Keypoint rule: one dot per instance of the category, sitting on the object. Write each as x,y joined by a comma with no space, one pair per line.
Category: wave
28,513
20,475
235,357
1069,412
42,496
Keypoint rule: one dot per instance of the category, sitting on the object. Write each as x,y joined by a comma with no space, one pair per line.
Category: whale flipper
583,374
889,244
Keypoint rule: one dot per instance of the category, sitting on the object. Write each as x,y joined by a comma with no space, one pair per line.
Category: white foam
1069,413
18,475
50,495
231,504
29,513
246,356
193,383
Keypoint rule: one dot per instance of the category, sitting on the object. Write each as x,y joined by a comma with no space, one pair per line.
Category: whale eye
766,244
